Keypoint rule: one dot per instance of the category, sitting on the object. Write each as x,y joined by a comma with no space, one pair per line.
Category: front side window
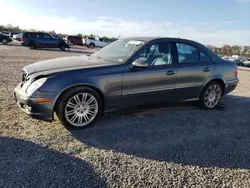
157,54
46,36
119,51
187,53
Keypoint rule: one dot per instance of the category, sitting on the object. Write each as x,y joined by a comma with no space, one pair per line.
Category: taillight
22,39
236,71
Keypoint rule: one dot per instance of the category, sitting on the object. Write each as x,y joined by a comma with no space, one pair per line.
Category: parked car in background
42,40
237,61
18,36
75,40
5,39
246,63
127,73
95,42
238,57
5,32
12,34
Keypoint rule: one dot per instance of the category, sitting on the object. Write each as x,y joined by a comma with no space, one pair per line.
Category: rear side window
26,34
204,57
187,53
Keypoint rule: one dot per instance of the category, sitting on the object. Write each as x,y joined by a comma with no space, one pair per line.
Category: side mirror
140,63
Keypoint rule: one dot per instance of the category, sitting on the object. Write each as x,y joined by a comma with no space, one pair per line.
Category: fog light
26,107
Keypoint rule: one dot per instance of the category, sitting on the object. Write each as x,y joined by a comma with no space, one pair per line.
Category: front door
49,41
153,83
194,70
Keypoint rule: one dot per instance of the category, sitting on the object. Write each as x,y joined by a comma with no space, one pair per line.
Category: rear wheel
79,107
33,46
4,41
211,95
92,45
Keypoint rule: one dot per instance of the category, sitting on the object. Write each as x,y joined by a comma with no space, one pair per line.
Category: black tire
202,102
91,45
33,46
62,47
5,41
63,100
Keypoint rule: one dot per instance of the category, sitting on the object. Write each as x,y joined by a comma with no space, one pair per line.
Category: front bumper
43,111
231,85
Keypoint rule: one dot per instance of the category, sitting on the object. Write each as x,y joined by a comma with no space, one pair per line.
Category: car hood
65,64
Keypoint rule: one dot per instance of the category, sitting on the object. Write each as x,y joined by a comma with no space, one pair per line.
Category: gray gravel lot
169,146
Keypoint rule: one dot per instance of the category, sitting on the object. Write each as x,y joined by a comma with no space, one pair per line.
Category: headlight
35,85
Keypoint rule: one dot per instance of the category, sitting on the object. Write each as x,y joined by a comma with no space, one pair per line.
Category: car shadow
11,44
26,164
182,134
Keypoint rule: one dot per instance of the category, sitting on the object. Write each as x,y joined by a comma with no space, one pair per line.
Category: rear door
194,70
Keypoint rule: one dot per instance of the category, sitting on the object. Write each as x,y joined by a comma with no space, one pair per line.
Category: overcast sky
214,22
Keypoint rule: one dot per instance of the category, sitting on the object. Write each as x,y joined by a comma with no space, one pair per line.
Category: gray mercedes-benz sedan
128,72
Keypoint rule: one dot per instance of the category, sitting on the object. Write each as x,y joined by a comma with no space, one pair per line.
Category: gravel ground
171,146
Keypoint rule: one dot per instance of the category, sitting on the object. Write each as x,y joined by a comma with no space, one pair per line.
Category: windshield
119,51
55,36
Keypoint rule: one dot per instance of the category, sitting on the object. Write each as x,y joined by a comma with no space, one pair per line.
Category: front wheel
33,46
210,96
92,46
4,41
62,47
79,107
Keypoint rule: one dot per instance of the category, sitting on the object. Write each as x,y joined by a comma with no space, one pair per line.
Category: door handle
170,72
207,69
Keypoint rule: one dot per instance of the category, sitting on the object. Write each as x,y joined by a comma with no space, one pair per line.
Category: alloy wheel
4,41
81,109
212,96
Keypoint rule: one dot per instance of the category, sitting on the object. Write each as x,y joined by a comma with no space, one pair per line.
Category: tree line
226,50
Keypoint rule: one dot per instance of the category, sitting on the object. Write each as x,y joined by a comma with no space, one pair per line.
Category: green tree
79,35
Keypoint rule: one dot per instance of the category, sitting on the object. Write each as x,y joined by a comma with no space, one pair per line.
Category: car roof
73,36
35,32
148,39
177,40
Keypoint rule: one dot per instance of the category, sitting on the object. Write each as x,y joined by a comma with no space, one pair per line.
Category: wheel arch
96,89
220,81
